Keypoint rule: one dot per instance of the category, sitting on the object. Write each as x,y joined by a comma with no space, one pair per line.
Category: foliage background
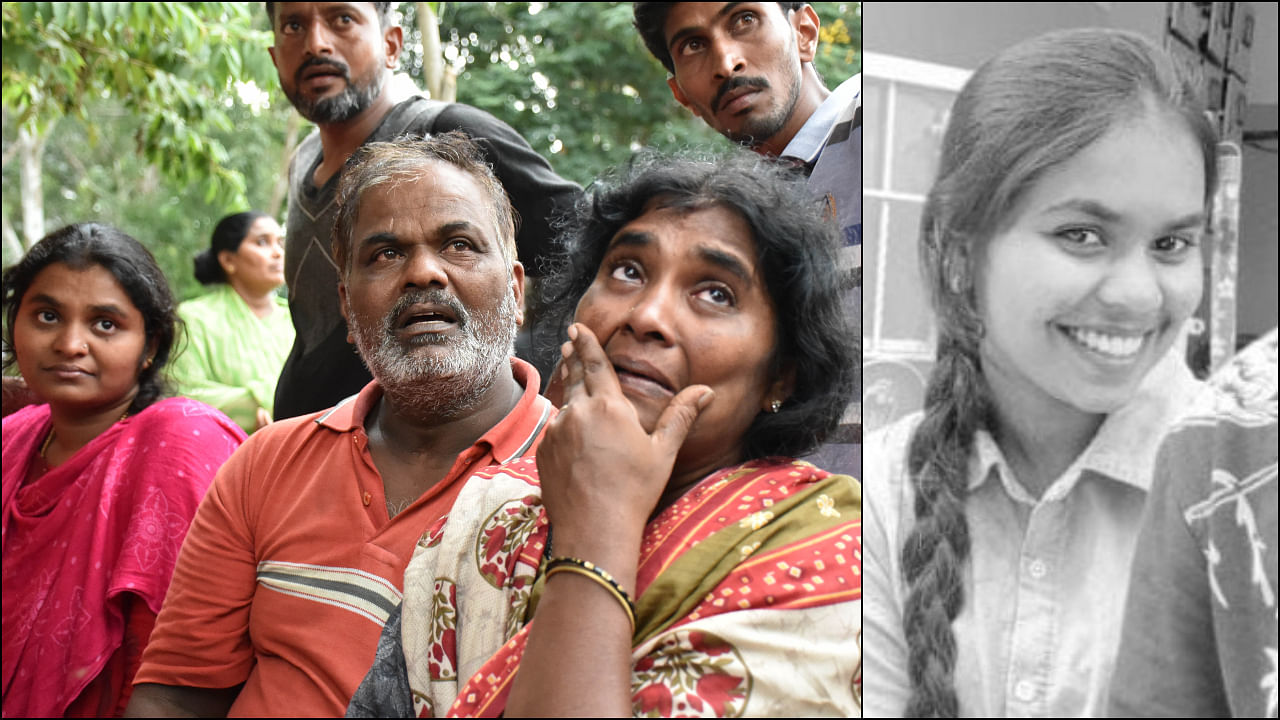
162,119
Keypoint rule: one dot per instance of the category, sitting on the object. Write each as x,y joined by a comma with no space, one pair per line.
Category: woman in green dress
238,335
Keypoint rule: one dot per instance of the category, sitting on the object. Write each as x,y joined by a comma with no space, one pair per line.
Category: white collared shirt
812,137
1045,583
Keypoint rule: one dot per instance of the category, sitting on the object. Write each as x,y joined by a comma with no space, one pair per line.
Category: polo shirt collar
512,437
807,144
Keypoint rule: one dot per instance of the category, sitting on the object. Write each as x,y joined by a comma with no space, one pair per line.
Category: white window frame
897,71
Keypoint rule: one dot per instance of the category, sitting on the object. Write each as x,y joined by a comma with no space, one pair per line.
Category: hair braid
935,552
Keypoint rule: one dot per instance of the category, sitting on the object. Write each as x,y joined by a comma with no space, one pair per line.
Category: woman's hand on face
602,473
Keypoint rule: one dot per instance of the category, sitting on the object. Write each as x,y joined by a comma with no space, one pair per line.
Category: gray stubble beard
446,386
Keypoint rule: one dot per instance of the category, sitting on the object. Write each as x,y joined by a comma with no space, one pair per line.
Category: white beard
449,384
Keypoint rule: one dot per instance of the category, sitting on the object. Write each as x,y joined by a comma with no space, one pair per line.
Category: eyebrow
631,238
376,238
1092,208
457,226
45,299
108,309
719,258
1108,215
727,262
684,32
105,309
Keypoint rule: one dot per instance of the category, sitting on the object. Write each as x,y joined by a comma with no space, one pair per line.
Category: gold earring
775,406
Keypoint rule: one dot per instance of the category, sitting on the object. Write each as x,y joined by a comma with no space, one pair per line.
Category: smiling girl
1060,244
101,480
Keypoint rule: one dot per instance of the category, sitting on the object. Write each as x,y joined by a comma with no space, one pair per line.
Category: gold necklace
52,433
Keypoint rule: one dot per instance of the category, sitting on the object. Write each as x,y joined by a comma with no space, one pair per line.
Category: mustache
733,83
339,66
434,296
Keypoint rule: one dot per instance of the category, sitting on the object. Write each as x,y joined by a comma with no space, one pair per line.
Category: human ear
149,355
342,308
517,289
394,42
806,24
782,387
227,261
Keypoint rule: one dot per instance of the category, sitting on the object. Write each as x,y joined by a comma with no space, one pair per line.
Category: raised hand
602,472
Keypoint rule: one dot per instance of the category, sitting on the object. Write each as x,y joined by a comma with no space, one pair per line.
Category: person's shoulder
477,123
309,147
288,436
183,417
894,437
198,309
884,460
26,416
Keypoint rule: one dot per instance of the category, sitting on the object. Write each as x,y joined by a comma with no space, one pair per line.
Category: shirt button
368,498
1025,691
1038,569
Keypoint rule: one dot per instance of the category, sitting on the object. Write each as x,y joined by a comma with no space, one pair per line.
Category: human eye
626,271
105,325
745,20
459,244
1079,239
691,46
719,295
290,27
1173,247
384,254
46,317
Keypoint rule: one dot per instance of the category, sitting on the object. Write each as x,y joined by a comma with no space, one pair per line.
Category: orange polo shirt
291,565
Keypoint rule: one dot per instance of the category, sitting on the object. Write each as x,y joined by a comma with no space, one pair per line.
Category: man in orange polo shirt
297,554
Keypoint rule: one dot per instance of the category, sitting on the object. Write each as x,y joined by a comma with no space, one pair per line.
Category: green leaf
110,11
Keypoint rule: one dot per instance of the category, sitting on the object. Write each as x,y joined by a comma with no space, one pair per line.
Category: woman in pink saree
101,479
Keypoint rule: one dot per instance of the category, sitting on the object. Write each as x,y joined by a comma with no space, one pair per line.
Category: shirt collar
1124,448
512,437
808,142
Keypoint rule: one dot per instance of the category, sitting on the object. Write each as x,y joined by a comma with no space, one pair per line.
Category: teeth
1116,346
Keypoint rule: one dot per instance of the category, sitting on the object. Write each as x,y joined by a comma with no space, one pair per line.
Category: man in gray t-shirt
335,61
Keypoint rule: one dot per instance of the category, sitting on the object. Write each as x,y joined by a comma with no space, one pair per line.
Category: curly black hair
84,245
796,246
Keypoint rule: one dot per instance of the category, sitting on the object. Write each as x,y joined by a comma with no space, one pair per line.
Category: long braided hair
1025,111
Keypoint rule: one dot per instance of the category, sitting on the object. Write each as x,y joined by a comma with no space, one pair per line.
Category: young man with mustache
335,62
747,70
297,554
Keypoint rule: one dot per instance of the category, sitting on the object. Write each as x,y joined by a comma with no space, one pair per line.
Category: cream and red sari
748,599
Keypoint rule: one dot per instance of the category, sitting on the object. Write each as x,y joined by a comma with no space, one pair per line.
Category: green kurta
232,358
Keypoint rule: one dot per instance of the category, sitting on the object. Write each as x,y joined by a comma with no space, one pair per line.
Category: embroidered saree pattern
748,596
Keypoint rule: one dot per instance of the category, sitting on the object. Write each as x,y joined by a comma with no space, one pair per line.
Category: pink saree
108,521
